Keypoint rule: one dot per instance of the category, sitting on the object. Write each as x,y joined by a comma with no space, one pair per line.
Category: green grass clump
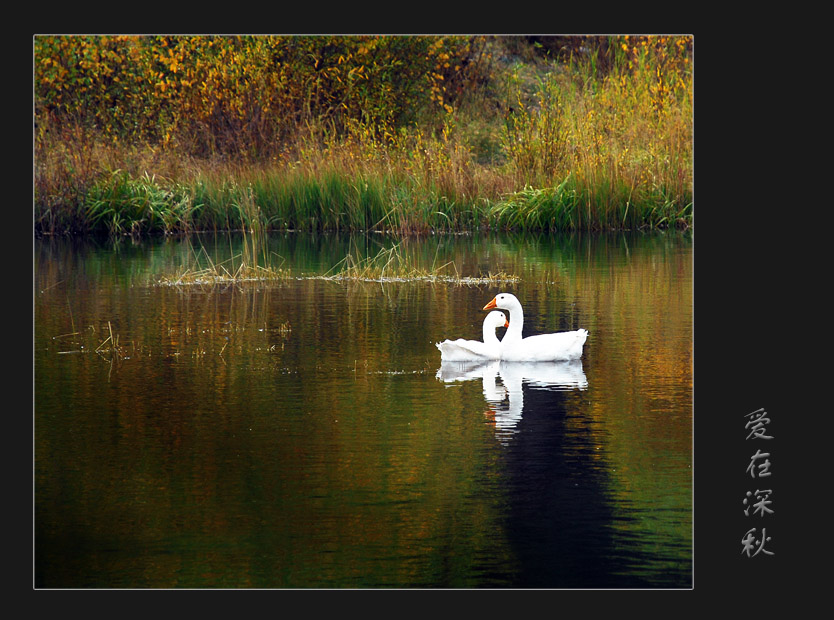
329,200
121,204
554,208
606,206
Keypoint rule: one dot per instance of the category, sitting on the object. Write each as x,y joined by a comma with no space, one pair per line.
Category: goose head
496,319
493,321
504,301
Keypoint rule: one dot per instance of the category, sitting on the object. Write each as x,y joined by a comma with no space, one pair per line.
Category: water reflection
301,434
506,399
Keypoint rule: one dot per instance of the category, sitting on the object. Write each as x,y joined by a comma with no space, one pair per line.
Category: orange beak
490,305
506,323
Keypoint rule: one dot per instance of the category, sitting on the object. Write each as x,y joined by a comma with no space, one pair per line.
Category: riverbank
532,138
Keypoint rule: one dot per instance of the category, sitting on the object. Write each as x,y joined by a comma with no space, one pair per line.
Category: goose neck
516,324
489,334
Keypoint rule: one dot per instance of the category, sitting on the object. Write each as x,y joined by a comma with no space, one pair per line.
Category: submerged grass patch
391,265
252,264
388,265
220,274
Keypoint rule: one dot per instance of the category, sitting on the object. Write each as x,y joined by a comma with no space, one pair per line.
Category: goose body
561,346
461,350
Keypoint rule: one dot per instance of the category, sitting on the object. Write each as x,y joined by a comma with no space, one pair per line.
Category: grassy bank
505,133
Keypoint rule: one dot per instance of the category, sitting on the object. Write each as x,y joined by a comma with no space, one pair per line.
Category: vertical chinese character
757,424
762,503
763,468
749,542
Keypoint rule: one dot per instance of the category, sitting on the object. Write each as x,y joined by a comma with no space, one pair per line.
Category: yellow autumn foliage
243,93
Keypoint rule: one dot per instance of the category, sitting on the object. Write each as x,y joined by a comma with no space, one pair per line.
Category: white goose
541,348
461,350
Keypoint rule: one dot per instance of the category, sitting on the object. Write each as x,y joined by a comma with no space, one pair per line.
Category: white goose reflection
506,399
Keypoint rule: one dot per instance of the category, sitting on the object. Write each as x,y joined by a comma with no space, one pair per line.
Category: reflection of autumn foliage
644,408
247,449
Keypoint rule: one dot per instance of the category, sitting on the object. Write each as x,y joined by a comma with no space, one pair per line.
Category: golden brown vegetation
167,134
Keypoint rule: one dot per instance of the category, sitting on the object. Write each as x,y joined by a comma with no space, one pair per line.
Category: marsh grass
252,264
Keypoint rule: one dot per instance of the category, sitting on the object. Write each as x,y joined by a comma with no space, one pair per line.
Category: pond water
303,433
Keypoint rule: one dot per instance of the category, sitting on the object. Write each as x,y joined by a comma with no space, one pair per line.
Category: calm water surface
304,434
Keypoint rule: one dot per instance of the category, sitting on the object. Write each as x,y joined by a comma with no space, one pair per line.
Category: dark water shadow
563,523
